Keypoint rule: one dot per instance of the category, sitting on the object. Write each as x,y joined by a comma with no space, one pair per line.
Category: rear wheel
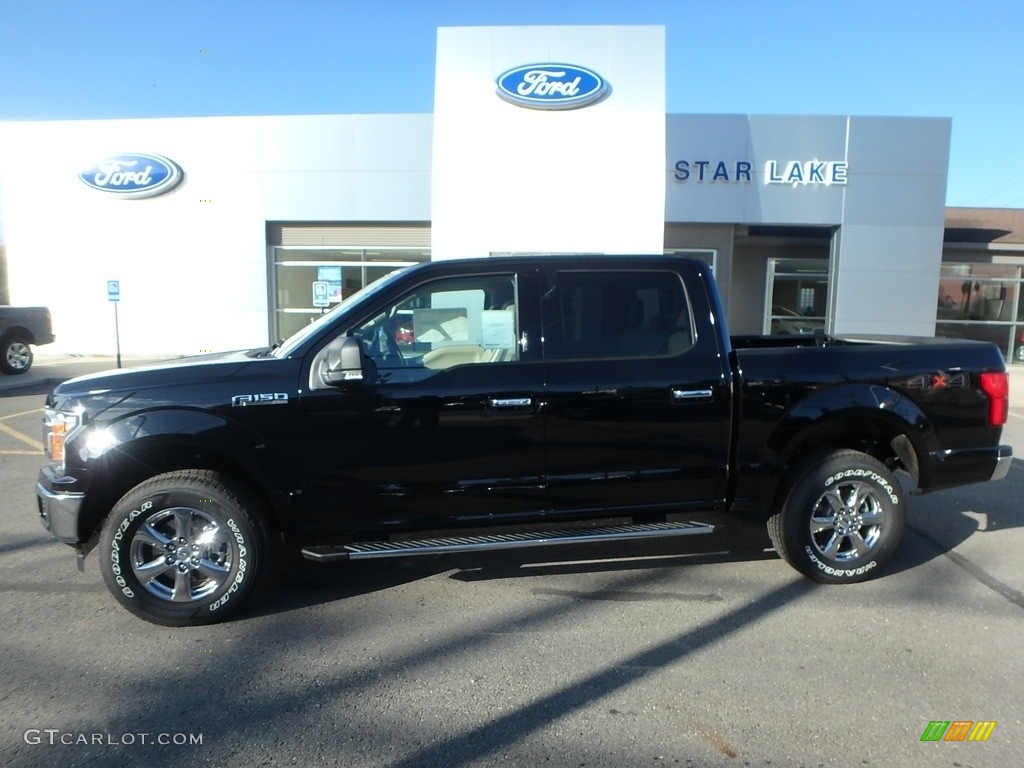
15,355
842,518
184,548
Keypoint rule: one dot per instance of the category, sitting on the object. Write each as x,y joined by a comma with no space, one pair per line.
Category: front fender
113,456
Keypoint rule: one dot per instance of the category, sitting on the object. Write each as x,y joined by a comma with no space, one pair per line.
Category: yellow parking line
19,453
19,436
23,413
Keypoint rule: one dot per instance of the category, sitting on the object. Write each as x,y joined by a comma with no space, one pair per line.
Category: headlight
57,427
97,443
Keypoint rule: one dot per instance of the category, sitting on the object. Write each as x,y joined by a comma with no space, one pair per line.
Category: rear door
637,406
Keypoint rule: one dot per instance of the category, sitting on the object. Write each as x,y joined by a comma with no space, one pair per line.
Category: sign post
114,296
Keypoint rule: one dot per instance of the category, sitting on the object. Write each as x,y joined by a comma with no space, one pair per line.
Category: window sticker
498,329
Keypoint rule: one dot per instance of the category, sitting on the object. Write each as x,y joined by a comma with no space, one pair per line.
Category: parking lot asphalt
639,655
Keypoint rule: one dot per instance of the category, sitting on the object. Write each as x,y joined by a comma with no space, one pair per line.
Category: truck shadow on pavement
302,584
938,523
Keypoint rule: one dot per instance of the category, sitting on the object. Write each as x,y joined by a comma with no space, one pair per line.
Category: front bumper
59,506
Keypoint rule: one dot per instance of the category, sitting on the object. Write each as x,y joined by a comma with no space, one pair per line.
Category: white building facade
543,139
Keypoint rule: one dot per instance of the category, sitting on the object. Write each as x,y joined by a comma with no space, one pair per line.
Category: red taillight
997,387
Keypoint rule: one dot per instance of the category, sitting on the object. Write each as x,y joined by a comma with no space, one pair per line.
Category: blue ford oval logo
551,86
133,175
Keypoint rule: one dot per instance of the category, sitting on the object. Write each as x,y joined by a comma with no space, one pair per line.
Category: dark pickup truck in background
20,327
509,402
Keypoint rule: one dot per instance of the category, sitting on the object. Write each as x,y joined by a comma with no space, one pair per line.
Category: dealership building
213,233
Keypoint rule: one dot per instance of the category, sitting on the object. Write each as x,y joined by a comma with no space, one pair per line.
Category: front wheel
15,355
184,548
842,518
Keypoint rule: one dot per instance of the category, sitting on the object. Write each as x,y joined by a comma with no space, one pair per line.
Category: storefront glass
797,295
982,301
345,270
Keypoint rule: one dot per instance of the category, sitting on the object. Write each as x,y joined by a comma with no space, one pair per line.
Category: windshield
293,342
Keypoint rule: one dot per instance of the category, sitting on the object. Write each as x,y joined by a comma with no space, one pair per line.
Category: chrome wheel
182,554
846,522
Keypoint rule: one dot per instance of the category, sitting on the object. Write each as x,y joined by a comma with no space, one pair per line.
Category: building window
346,270
797,294
982,301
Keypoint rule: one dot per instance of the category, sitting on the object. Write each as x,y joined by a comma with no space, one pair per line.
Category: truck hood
205,382
184,371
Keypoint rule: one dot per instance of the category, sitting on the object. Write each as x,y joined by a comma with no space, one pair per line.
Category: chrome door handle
511,402
691,395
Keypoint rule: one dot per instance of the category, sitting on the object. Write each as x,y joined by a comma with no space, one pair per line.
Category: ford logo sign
552,86
133,175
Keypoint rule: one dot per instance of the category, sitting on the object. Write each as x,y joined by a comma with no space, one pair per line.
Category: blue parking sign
321,293
113,290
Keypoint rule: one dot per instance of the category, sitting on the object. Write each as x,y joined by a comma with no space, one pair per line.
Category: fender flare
874,405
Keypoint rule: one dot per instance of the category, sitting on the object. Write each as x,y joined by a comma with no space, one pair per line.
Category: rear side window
605,314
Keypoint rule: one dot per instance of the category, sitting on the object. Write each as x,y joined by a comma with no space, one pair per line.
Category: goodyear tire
184,548
841,519
15,355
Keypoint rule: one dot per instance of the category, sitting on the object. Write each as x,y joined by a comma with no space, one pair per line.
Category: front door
446,429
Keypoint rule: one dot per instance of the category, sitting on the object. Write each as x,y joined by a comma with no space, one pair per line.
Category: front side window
442,324
607,314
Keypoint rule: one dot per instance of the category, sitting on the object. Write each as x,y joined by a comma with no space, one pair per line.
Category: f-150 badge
266,398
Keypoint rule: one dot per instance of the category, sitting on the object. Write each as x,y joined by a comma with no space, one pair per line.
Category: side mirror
343,362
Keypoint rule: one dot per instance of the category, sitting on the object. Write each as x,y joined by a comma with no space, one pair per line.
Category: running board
438,546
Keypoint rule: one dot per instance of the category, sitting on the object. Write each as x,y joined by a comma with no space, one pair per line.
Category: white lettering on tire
864,473
240,576
841,572
115,557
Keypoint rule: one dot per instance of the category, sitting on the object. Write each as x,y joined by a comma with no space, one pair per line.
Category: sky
88,59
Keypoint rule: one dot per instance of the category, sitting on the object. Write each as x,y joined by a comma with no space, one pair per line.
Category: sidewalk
49,370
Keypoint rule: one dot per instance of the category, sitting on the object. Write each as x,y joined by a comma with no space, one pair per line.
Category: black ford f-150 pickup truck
508,402
20,327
